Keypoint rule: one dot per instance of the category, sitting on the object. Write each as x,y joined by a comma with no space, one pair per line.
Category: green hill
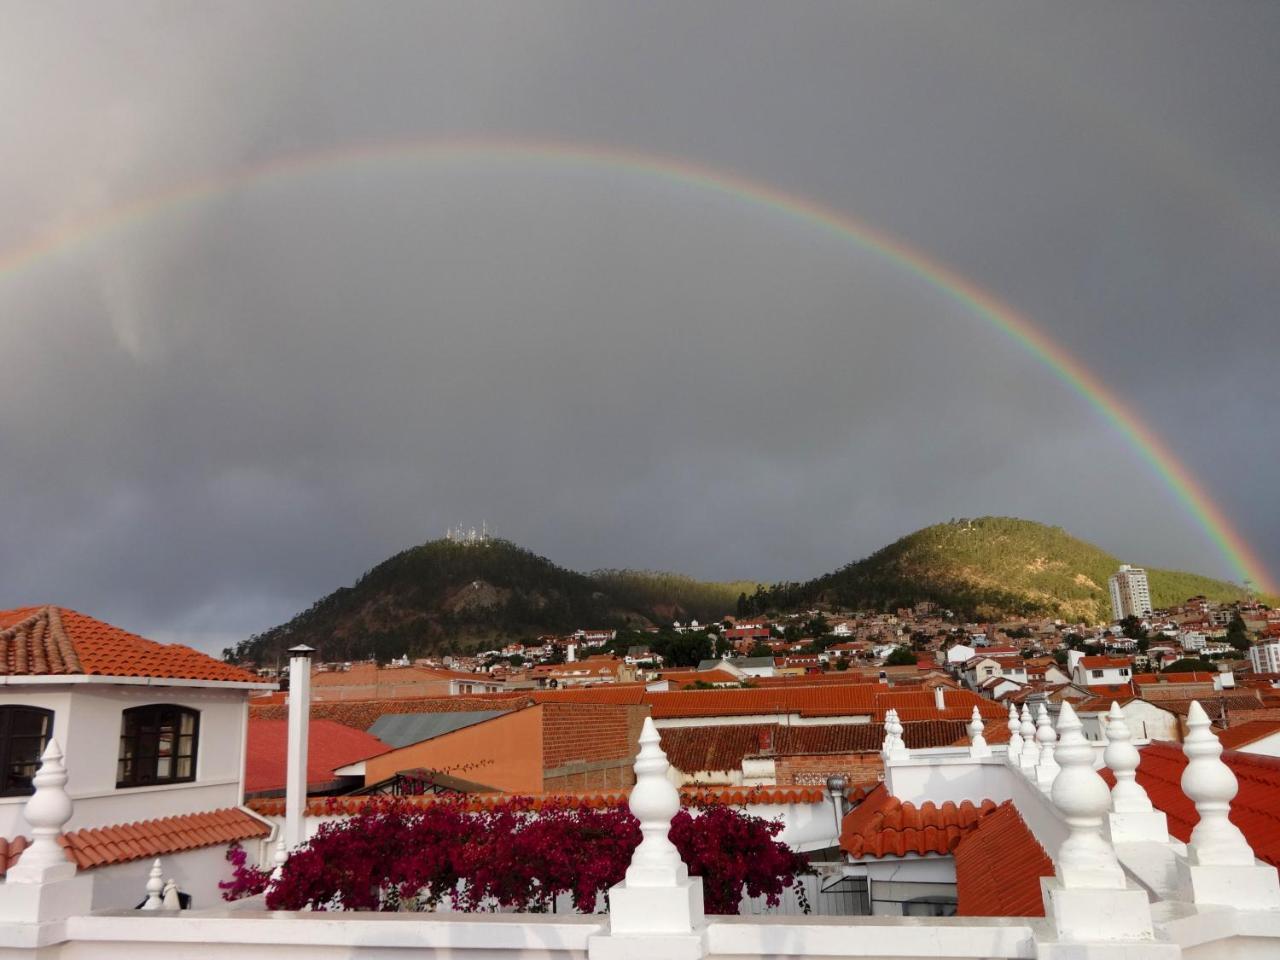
447,596
996,566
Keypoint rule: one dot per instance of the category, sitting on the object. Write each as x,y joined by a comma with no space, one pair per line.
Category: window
1095,673
157,745
24,732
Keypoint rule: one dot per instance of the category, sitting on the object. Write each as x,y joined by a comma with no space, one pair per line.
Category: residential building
1265,657
152,736
1130,593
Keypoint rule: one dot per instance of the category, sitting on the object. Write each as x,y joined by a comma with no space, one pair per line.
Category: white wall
123,886
87,722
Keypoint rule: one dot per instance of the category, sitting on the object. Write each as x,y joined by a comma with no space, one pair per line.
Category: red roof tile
815,700
999,864
882,825
39,641
691,749
1241,735
102,846
330,745
1255,809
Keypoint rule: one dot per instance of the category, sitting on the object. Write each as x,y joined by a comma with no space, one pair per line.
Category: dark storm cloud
213,415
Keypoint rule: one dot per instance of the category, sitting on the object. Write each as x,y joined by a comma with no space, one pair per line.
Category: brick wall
808,770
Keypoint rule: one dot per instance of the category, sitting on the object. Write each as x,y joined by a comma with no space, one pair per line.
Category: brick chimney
766,740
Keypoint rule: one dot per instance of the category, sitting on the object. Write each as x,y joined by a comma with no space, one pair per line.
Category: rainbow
1207,514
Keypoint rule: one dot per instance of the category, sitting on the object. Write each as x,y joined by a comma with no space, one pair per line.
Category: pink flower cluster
519,855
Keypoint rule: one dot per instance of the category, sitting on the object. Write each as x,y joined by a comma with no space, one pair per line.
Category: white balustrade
1085,858
1132,817
1211,786
1015,736
977,742
1089,898
1030,752
155,887
1220,868
1047,742
658,895
47,811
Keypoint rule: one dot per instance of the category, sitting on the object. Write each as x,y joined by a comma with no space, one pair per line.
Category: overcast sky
214,413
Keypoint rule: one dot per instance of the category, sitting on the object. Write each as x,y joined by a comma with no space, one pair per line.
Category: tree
1132,628
900,657
1189,665
760,649
1238,633
744,605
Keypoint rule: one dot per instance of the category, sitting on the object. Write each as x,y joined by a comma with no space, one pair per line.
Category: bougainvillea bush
518,855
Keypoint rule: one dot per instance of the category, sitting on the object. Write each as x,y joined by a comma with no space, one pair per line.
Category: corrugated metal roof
402,729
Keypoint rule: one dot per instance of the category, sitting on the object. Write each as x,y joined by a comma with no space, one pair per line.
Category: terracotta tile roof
1104,663
998,867
679,678
103,846
918,705
1255,809
42,641
691,749
625,693
330,745
882,826
1241,735
689,796
807,700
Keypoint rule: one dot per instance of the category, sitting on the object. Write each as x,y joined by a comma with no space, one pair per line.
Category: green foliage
1189,665
1238,633
1132,628
663,597
994,567
900,657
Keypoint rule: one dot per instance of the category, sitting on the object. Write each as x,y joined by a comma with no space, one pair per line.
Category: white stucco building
148,731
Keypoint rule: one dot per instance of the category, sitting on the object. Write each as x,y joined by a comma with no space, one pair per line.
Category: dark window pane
157,745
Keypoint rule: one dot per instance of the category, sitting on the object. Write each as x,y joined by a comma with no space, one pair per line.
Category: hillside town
801,718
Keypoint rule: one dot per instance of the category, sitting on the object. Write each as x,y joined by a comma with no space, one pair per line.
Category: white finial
1027,730
654,801
1015,736
1085,858
47,811
278,858
1121,756
155,886
1047,739
1211,785
170,898
977,742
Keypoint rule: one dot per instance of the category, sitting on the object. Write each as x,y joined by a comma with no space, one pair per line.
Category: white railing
1122,887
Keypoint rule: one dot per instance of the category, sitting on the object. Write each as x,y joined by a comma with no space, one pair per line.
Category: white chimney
571,653
295,796
940,697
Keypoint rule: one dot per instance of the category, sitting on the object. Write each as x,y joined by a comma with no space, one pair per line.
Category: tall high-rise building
1130,595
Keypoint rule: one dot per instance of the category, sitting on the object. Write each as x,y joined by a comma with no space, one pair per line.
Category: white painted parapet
1047,743
1220,867
1089,898
43,885
1132,818
977,742
657,911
